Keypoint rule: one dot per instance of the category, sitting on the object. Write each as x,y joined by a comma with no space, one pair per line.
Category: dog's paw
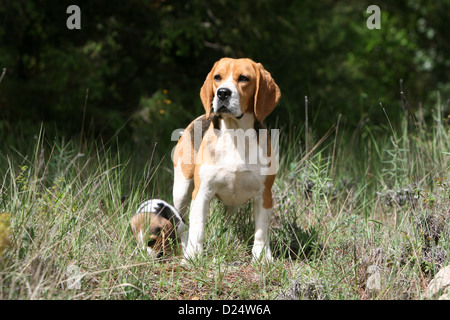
192,251
262,254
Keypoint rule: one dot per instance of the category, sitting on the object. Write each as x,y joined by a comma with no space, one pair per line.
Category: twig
84,115
3,74
402,95
306,125
334,146
314,148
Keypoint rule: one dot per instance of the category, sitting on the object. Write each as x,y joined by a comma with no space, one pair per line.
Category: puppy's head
157,227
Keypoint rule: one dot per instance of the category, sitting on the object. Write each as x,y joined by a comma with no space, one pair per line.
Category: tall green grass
374,196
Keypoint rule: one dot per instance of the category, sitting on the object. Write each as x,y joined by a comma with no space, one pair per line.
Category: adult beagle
157,227
226,153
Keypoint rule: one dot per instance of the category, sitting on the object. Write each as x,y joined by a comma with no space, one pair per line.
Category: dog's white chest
235,177
232,185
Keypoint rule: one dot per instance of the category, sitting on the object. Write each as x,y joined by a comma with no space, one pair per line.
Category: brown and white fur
158,227
238,94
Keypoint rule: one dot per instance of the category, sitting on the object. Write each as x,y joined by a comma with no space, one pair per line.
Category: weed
373,199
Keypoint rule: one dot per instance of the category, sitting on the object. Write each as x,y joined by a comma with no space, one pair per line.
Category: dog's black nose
223,93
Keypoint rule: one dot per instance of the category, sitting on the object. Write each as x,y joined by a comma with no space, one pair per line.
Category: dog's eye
243,78
217,77
151,243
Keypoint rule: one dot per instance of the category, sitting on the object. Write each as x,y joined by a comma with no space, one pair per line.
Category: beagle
157,227
226,153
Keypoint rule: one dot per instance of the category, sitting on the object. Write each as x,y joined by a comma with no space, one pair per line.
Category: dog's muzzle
223,109
224,103
223,95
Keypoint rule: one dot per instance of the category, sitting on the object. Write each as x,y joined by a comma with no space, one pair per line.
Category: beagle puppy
157,226
227,153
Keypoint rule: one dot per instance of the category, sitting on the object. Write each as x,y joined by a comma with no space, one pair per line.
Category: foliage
95,78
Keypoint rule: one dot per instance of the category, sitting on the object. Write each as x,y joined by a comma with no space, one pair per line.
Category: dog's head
237,86
157,226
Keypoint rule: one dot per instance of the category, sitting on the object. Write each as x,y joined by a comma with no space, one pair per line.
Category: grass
376,196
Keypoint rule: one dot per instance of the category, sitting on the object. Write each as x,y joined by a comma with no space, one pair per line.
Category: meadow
355,202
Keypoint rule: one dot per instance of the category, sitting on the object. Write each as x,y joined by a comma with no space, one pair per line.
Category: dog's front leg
261,247
197,221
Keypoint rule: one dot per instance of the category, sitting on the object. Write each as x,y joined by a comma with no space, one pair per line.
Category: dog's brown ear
267,93
168,236
207,93
140,223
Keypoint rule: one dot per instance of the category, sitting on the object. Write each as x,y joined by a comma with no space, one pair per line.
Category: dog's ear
207,93
267,93
140,223
168,237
